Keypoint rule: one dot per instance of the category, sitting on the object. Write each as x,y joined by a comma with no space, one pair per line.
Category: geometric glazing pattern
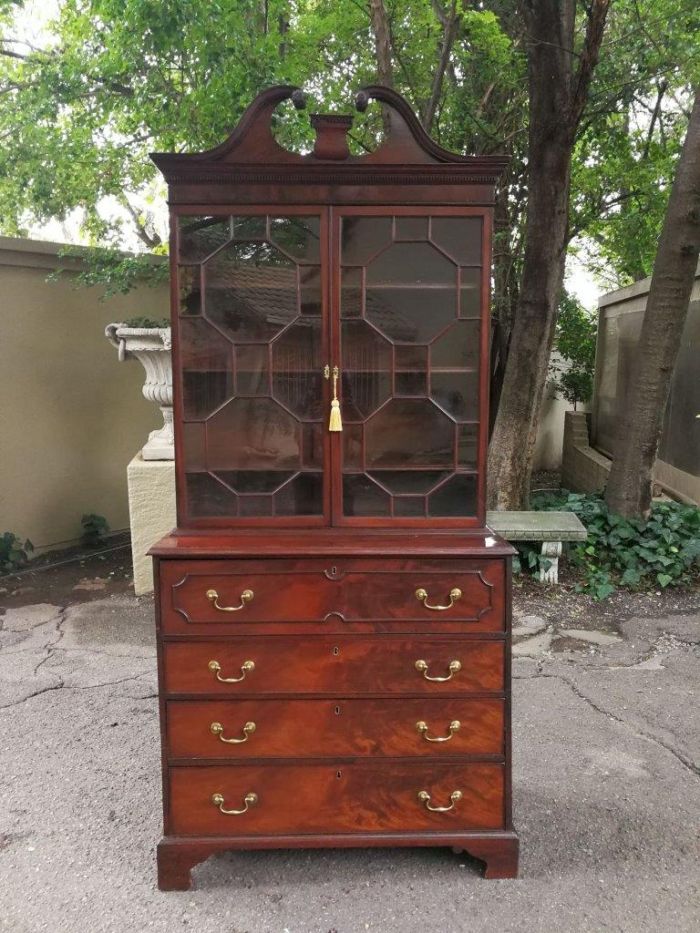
250,348
410,332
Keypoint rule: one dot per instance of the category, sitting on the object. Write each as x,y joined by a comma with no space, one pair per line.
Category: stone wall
71,417
583,469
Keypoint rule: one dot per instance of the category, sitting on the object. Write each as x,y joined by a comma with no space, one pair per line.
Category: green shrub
663,550
95,529
13,554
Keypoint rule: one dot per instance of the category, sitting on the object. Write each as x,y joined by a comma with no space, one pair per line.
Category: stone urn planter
151,347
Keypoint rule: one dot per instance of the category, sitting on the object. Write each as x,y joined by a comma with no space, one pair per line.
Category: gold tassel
335,422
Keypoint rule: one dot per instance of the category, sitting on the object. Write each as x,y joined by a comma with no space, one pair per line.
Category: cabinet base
177,855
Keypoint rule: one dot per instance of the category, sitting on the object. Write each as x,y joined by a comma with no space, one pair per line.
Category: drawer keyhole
338,774
336,651
337,711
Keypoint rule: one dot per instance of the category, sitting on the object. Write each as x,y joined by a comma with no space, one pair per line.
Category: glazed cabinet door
409,314
251,340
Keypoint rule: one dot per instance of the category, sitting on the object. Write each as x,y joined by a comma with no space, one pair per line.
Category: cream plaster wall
71,416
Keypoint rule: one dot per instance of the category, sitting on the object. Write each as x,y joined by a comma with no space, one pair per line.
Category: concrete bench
551,528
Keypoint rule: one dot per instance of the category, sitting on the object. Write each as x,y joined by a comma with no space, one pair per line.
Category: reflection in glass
416,445
299,237
456,393
363,237
459,237
407,314
251,291
458,347
253,434
409,432
252,369
470,293
259,318
363,497
297,381
201,236
455,497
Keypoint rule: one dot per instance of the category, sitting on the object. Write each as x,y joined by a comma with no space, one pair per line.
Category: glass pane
409,314
455,497
301,496
363,237
351,293
251,291
409,507
411,264
310,290
363,497
190,287
458,347
255,505
366,369
352,446
457,393
299,237
407,482
250,351
459,237
250,228
252,369
410,399
467,445
411,383
409,432
208,498
202,236
411,228
470,293
411,357
297,380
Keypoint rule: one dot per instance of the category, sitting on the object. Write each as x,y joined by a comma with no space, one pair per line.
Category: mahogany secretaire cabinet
333,615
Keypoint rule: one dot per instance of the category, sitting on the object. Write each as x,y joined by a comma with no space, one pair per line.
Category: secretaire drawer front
243,799
383,664
211,597
237,729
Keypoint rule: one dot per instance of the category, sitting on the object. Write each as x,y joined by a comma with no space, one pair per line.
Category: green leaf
664,579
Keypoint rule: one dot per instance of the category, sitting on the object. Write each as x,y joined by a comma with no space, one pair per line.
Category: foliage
663,550
159,322
80,112
13,553
114,271
575,341
632,134
95,529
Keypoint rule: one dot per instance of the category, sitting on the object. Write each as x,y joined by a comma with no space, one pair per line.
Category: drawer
235,729
215,596
347,665
364,796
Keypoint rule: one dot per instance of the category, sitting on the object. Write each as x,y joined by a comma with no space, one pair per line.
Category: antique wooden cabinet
333,614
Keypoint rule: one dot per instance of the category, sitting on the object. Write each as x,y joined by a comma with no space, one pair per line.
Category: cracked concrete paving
606,793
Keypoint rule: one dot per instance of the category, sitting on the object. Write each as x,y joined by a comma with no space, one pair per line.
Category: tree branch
382,42
654,117
450,28
595,27
151,240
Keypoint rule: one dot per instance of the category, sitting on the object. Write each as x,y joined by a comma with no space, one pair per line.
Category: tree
558,92
575,343
629,488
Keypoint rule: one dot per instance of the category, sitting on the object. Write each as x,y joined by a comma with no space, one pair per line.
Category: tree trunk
557,97
639,427
382,42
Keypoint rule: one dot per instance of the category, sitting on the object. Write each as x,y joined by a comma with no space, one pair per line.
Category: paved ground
607,794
